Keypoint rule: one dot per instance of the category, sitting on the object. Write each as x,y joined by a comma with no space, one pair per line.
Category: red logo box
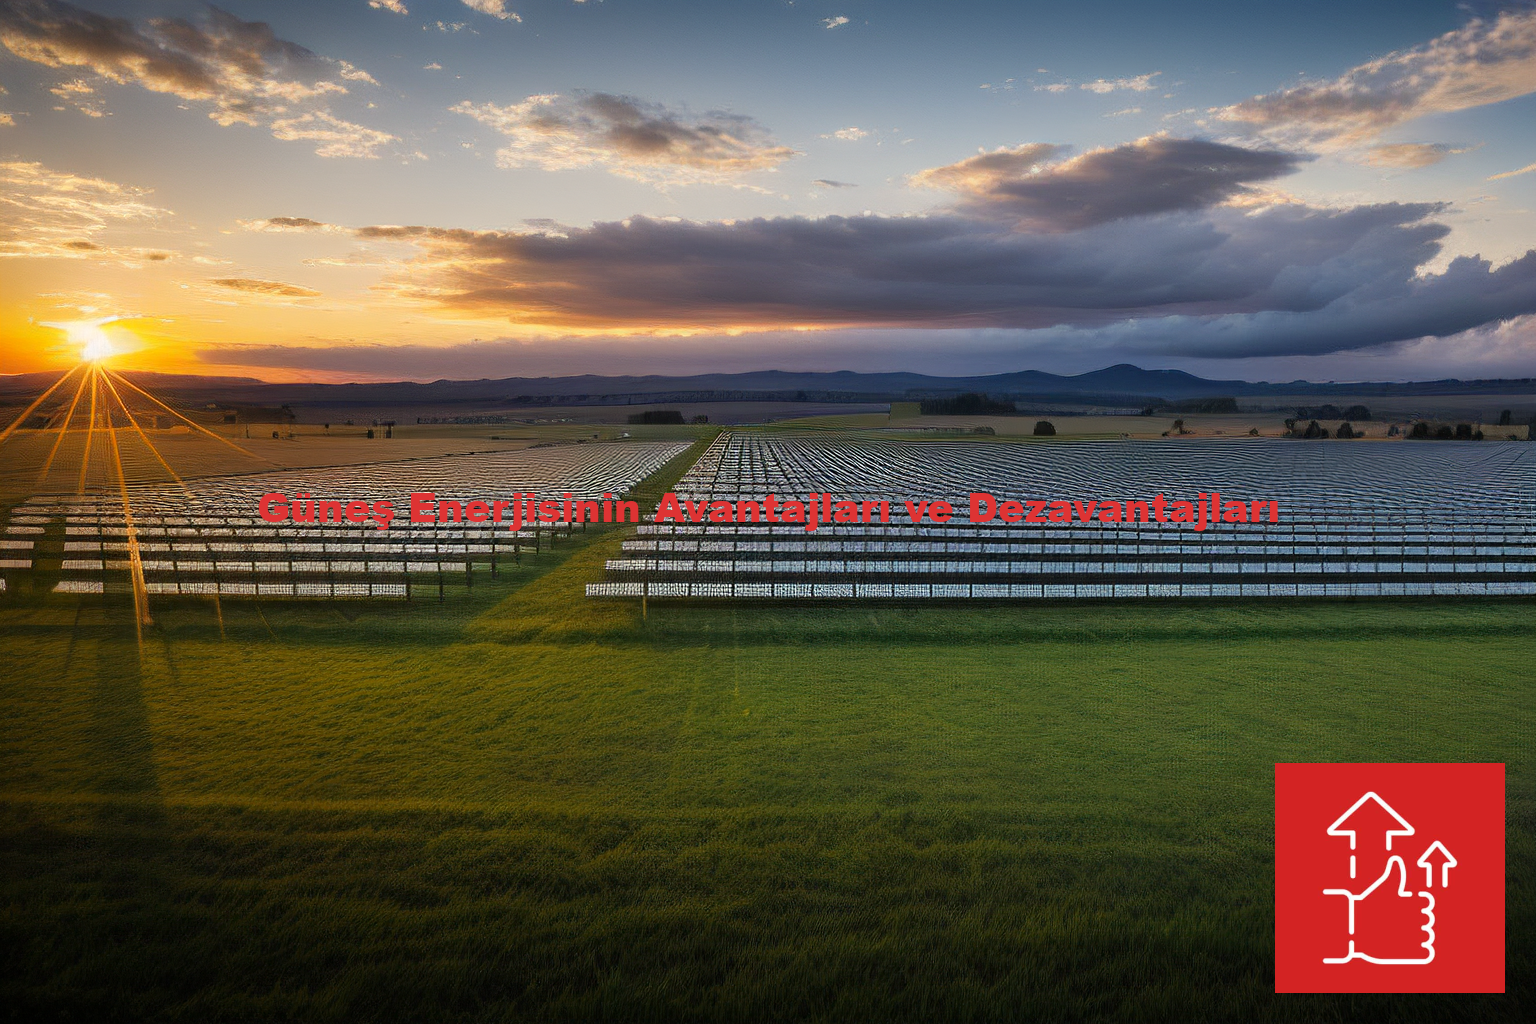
1389,878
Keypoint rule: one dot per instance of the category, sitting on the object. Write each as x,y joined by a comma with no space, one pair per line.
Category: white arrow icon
1334,830
1426,862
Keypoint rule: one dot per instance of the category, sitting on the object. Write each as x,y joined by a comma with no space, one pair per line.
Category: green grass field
521,804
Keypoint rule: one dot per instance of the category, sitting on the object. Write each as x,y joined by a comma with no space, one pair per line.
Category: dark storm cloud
1149,176
1159,244
937,270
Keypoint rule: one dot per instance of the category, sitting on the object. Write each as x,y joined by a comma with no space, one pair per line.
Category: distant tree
1345,430
1313,430
1148,411
1463,431
1477,435
1392,431
1504,417
370,433
1444,433
1253,431
971,404
1357,412
1045,428
1178,426
1419,431
1206,405
701,418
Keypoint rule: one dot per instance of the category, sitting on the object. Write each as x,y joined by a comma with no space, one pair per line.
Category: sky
426,189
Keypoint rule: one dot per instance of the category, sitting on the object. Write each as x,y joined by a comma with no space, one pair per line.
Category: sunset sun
89,338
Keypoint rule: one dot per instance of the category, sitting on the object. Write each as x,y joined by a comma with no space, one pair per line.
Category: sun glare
89,336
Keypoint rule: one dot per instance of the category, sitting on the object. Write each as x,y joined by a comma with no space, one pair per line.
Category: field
522,804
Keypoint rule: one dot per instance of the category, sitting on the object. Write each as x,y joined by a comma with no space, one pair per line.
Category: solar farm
337,793
1356,520
206,539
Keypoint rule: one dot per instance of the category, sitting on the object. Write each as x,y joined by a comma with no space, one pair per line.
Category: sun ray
145,437
135,563
90,430
194,425
19,420
69,418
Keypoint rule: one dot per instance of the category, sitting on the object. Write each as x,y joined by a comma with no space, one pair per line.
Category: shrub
1420,431
1504,417
1345,430
1045,428
1313,430
1463,431
1444,433
1357,412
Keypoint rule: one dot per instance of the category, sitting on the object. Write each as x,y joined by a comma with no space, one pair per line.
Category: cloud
836,22
275,288
646,274
1410,155
852,133
1149,176
829,183
241,69
388,5
1527,169
432,66
628,137
1481,63
1158,246
288,224
1054,87
56,214
1140,83
337,138
1123,113
1221,283
353,74
495,8
988,171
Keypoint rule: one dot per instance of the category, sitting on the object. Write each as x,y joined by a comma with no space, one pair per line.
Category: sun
94,343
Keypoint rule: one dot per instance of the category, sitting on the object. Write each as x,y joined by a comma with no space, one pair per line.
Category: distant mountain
1119,385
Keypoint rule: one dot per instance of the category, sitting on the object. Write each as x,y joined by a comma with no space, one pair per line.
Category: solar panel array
1356,519
212,541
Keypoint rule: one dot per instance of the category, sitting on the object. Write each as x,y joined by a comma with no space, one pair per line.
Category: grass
522,804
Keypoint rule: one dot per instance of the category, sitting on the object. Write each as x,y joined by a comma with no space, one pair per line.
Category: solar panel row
207,540
1356,520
